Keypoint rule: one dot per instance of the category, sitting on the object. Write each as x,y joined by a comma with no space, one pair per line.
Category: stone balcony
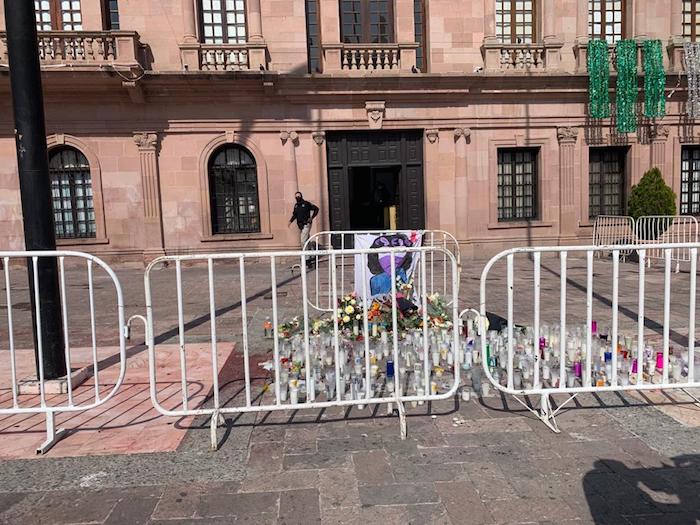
223,57
369,58
507,58
85,49
674,61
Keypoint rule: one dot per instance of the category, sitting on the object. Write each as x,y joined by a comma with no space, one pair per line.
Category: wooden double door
373,176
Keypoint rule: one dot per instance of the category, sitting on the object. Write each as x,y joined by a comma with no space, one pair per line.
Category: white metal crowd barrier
349,370
436,279
15,263
665,229
614,230
532,362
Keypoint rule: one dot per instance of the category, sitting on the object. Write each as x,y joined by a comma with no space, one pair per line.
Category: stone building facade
180,126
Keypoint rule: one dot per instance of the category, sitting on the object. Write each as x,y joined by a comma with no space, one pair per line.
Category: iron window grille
313,36
606,19
71,190
690,180
58,15
110,14
233,188
515,21
367,21
223,21
517,184
606,181
691,23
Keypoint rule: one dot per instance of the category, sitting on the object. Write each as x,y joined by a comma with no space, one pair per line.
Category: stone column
580,48
405,32
290,139
462,137
320,164
675,44
329,15
659,135
640,13
567,181
548,19
150,186
257,53
189,21
489,20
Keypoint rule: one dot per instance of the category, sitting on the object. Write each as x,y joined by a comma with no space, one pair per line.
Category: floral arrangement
349,311
288,329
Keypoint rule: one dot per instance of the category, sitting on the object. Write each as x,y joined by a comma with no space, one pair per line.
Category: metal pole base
217,419
53,436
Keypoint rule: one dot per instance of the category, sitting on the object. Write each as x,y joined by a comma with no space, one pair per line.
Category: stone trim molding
146,140
231,137
375,113
433,135
61,139
659,132
567,134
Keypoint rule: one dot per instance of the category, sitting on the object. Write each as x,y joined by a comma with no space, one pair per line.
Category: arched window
233,190
71,188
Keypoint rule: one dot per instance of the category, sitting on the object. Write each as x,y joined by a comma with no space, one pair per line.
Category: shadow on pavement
616,493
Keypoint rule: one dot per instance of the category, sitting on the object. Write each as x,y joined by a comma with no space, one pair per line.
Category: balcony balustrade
84,49
538,57
223,57
369,58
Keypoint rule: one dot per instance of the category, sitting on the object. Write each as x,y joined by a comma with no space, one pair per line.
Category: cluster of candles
349,380
540,365
544,365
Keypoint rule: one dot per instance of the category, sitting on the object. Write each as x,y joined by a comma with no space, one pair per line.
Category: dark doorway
374,177
374,197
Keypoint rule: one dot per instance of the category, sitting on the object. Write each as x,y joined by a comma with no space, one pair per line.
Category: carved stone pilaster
567,135
375,114
433,135
463,132
147,143
292,136
319,137
659,135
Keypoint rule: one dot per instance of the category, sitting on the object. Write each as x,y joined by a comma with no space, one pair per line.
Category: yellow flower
349,310
346,319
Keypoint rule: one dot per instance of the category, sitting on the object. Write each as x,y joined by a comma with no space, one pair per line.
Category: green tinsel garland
598,79
654,80
626,86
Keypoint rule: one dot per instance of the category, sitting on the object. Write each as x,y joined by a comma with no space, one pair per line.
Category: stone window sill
519,225
238,237
82,242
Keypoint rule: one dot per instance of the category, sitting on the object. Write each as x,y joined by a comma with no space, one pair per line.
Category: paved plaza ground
619,458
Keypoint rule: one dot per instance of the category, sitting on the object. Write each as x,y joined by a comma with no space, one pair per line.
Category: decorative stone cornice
462,132
146,140
433,135
319,137
375,113
659,132
567,135
289,135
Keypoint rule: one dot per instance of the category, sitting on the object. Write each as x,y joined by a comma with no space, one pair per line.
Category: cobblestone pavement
498,466
617,459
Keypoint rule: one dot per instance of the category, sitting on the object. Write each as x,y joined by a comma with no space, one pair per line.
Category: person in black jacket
304,213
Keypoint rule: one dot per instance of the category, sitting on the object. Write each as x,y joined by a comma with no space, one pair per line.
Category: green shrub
651,196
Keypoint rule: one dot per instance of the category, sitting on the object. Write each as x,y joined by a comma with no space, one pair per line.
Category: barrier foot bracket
53,435
217,419
691,396
545,413
402,420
